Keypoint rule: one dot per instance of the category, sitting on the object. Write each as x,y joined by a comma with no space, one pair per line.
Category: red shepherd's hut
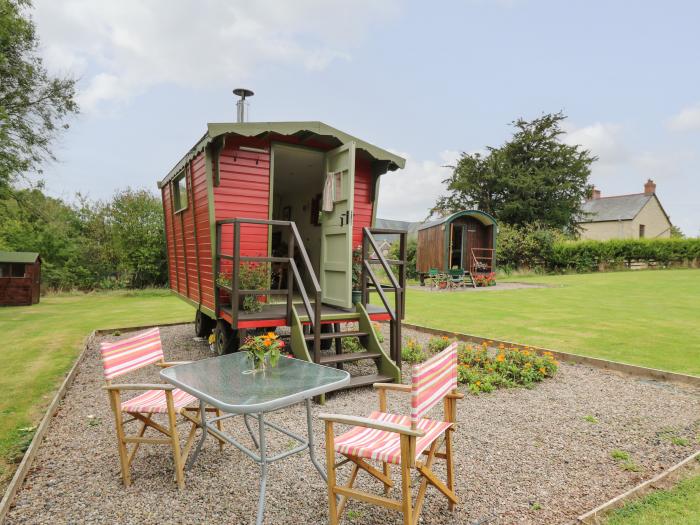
20,278
261,222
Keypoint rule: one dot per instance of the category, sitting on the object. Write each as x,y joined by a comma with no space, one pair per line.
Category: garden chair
128,355
456,278
433,277
399,440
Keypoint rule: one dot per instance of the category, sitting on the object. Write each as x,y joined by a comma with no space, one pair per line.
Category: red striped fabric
381,445
154,402
432,381
132,353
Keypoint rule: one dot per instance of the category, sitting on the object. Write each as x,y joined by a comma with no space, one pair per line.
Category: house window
641,231
11,270
180,192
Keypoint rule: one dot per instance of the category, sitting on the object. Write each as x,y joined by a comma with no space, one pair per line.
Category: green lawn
40,343
647,318
679,506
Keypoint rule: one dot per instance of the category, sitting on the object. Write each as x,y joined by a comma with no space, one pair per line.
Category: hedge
586,256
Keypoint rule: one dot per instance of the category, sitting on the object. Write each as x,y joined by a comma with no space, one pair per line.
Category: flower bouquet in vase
263,350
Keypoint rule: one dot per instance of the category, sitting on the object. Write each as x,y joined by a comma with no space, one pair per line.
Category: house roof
390,224
304,129
482,216
18,257
616,208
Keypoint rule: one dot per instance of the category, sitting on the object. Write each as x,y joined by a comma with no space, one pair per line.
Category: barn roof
482,216
617,208
18,257
334,136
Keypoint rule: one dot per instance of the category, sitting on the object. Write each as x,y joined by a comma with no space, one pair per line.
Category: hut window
180,192
11,270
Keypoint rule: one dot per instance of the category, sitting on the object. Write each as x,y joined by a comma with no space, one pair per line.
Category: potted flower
357,274
253,276
263,350
224,281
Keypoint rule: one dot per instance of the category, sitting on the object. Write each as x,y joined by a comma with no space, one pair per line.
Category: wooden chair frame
172,438
338,495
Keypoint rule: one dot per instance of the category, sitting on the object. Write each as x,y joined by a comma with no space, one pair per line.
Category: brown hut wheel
203,324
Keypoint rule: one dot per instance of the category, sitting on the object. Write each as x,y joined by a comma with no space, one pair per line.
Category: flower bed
510,367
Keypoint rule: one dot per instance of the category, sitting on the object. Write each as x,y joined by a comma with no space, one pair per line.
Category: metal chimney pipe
241,105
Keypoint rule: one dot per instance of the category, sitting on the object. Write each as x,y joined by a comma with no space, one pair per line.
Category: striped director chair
128,355
410,442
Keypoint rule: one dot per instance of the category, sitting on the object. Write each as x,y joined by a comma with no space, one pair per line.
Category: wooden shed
293,197
20,278
466,240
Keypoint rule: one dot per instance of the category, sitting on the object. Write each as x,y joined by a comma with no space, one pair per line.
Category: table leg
203,426
250,430
310,432
263,469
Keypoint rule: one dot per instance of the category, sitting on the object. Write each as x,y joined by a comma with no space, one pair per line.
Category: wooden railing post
363,275
217,269
235,276
290,277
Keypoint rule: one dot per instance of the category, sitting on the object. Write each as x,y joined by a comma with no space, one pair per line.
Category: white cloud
408,194
687,120
603,140
122,48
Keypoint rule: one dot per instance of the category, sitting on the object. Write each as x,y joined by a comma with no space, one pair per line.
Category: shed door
336,229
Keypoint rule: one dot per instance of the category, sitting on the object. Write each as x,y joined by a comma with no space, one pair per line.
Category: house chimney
242,105
650,187
596,193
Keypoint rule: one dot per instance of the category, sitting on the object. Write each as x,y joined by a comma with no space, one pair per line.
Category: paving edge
28,458
624,368
678,471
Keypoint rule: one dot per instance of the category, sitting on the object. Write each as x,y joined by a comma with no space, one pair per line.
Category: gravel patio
522,456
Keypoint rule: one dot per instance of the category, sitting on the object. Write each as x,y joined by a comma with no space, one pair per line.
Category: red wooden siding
21,291
244,192
189,255
362,212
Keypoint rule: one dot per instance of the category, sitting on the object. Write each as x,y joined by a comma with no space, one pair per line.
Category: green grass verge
680,506
644,318
41,342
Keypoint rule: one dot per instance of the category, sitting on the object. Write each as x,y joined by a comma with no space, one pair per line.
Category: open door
336,228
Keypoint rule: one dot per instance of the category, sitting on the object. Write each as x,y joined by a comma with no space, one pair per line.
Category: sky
426,80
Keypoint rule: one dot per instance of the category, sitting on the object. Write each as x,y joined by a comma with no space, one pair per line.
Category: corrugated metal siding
243,192
362,212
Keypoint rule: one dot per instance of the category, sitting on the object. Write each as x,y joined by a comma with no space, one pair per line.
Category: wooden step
333,359
333,335
358,381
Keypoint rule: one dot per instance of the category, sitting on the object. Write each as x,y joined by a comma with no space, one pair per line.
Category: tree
138,231
34,105
534,177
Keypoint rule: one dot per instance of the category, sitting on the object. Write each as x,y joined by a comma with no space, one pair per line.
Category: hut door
336,227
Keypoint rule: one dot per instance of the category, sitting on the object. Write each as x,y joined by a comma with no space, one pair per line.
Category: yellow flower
271,335
500,358
543,371
477,383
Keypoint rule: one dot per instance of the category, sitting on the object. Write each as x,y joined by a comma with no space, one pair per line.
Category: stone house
634,216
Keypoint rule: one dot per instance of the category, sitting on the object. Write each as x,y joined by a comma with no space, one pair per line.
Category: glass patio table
228,383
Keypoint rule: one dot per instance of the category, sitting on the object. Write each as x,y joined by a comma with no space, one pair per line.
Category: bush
412,352
588,256
525,247
411,248
510,367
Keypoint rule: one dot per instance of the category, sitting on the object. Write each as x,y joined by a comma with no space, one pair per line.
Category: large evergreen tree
534,177
33,104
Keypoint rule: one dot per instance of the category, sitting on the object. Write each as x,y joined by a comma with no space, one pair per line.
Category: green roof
18,257
334,137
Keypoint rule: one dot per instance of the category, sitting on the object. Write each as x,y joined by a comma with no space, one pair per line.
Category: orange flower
267,342
500,358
